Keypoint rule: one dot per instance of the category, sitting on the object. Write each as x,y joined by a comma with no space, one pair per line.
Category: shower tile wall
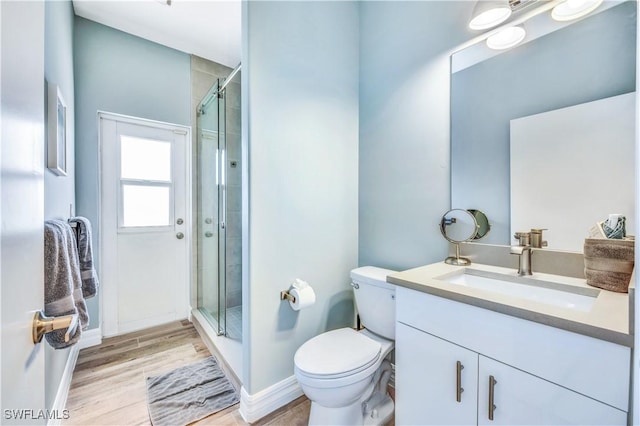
234,195
203,75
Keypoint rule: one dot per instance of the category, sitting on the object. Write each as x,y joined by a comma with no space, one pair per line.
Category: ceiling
206,28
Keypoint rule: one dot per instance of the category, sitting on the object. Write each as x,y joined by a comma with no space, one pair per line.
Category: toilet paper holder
285,295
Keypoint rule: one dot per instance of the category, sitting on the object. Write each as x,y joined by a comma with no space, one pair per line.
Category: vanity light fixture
506,38
489,13
574,9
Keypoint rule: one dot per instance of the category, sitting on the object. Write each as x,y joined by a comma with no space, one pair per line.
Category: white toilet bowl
336,371
345,372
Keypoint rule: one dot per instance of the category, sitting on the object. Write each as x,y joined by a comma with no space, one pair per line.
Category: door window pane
145,159
144,205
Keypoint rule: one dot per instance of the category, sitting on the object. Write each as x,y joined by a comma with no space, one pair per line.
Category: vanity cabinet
436,381
540,374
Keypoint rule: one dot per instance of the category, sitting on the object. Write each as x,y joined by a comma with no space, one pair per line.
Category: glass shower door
211,202
219,195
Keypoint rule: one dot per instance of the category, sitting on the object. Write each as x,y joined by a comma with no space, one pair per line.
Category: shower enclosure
219,194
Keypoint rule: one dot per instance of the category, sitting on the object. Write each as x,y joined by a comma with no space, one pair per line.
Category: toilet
345,372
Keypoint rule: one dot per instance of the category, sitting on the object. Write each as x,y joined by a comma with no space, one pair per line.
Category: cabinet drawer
592,367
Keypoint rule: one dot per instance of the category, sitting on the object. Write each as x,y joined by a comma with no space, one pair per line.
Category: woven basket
608,264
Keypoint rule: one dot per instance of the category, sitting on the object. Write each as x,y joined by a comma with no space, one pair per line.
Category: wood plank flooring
109,382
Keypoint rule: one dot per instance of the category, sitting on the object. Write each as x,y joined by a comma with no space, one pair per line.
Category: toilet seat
336,354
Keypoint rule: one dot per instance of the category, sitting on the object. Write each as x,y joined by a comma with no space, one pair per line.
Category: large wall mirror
543,133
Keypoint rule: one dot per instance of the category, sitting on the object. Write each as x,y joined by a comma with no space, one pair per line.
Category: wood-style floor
109,382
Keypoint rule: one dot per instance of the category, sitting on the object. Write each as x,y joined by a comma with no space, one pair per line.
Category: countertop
608,319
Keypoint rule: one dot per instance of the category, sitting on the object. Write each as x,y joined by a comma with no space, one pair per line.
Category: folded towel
85,253
608,280
610,249
63,285
609,263
58,282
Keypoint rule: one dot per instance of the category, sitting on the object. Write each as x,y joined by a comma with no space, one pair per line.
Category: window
146,187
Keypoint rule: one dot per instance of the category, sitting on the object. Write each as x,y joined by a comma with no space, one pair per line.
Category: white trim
60,402
229,349
129,119
92,337
254,407
137,325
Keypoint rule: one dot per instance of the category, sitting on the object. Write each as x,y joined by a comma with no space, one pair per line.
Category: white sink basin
551,293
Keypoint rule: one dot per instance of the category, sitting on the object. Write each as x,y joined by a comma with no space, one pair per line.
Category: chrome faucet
523,250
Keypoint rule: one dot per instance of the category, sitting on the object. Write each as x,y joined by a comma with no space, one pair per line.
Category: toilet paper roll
304,297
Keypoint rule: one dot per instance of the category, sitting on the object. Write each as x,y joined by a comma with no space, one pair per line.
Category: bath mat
189,393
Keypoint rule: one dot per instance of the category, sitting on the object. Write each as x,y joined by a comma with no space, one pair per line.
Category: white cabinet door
427,380
521,398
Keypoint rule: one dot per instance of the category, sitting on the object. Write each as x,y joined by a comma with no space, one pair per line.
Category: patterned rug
189,393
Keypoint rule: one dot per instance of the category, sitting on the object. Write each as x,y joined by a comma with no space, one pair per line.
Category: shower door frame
214,94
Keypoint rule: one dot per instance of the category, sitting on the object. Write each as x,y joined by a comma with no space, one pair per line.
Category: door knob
42,325
179,221
179,235
208,234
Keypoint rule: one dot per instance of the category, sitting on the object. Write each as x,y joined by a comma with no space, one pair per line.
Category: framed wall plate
56,131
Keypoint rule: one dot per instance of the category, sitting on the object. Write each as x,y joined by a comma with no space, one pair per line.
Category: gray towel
63,287
85,252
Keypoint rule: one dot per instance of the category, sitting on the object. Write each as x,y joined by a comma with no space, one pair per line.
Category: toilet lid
335,352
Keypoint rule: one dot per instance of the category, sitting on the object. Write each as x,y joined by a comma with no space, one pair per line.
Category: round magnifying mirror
483,223
457,226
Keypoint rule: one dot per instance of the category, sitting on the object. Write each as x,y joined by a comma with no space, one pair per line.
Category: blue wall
404,128
589,60
300,112
59,191
120,73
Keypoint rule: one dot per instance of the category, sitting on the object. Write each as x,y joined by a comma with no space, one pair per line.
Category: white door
435,380
22,212
144,223
520,398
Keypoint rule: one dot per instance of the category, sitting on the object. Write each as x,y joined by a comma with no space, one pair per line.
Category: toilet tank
375,300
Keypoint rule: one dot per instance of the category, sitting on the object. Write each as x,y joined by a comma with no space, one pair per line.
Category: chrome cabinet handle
459,388
179,235
492,407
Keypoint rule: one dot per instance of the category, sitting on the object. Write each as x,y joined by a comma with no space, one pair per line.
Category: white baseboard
137,325
254,407
88,338
59,404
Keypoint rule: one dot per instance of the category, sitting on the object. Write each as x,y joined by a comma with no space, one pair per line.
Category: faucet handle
536,238
523,238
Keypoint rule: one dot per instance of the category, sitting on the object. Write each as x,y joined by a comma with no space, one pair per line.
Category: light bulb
574,9
506,38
